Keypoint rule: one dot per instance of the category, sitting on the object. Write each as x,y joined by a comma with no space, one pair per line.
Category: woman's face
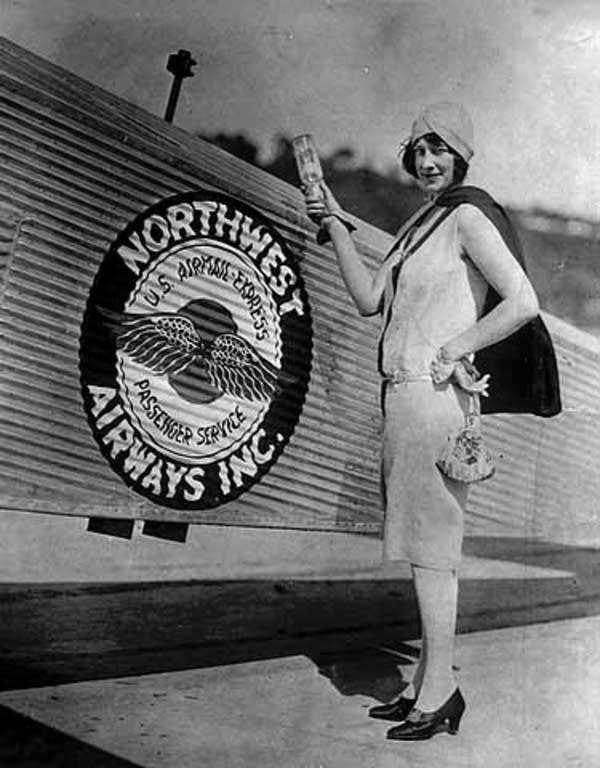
434,163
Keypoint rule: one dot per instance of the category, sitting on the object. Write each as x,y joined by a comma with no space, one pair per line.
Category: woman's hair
460,164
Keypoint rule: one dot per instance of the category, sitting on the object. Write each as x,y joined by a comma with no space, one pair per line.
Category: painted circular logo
195,350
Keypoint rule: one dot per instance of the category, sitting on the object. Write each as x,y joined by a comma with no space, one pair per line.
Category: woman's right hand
320,208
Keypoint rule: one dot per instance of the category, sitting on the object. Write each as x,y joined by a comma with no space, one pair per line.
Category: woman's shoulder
476,210
467,195
481,219
471,217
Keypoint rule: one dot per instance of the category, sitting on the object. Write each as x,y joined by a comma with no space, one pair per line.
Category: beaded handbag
465,457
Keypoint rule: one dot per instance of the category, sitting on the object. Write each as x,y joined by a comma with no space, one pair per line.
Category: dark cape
523,370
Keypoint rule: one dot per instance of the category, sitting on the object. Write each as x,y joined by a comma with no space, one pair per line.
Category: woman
452,286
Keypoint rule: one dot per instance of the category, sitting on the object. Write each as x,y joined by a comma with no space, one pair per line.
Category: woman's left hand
463,373
467,381
441,370
443,366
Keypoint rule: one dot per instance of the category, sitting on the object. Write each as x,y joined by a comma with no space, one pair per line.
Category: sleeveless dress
437,294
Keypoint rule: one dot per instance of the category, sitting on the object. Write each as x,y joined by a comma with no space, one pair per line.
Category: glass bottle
308,165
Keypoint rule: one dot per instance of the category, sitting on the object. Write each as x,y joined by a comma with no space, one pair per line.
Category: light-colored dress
439,294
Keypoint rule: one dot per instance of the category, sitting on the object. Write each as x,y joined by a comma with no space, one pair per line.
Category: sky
356,73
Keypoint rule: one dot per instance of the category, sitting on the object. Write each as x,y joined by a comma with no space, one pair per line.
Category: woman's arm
365,287
487,250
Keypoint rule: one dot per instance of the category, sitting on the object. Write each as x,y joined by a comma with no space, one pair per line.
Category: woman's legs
437,597
414,686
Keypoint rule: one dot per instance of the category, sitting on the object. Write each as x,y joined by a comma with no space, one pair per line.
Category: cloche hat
451,122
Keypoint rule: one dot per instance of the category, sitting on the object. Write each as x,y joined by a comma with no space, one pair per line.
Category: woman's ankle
431,697
409,692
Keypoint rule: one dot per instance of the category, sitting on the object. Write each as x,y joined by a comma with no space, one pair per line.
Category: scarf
523,369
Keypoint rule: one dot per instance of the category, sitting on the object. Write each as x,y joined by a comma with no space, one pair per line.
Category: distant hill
562,255
564,267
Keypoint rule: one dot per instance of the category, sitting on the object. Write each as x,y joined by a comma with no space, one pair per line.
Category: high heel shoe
424,725
396,710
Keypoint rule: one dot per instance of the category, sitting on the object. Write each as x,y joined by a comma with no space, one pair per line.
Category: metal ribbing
78,166
548,483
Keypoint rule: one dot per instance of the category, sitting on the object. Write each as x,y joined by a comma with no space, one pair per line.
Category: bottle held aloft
308,165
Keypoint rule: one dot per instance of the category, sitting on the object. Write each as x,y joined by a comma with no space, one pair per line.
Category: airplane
189,397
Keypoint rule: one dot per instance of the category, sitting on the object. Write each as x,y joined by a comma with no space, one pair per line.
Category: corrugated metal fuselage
79,166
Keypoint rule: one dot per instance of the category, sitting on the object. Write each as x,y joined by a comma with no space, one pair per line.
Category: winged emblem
167,343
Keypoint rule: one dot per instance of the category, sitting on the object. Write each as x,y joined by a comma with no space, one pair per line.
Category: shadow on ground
28,744
66,633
